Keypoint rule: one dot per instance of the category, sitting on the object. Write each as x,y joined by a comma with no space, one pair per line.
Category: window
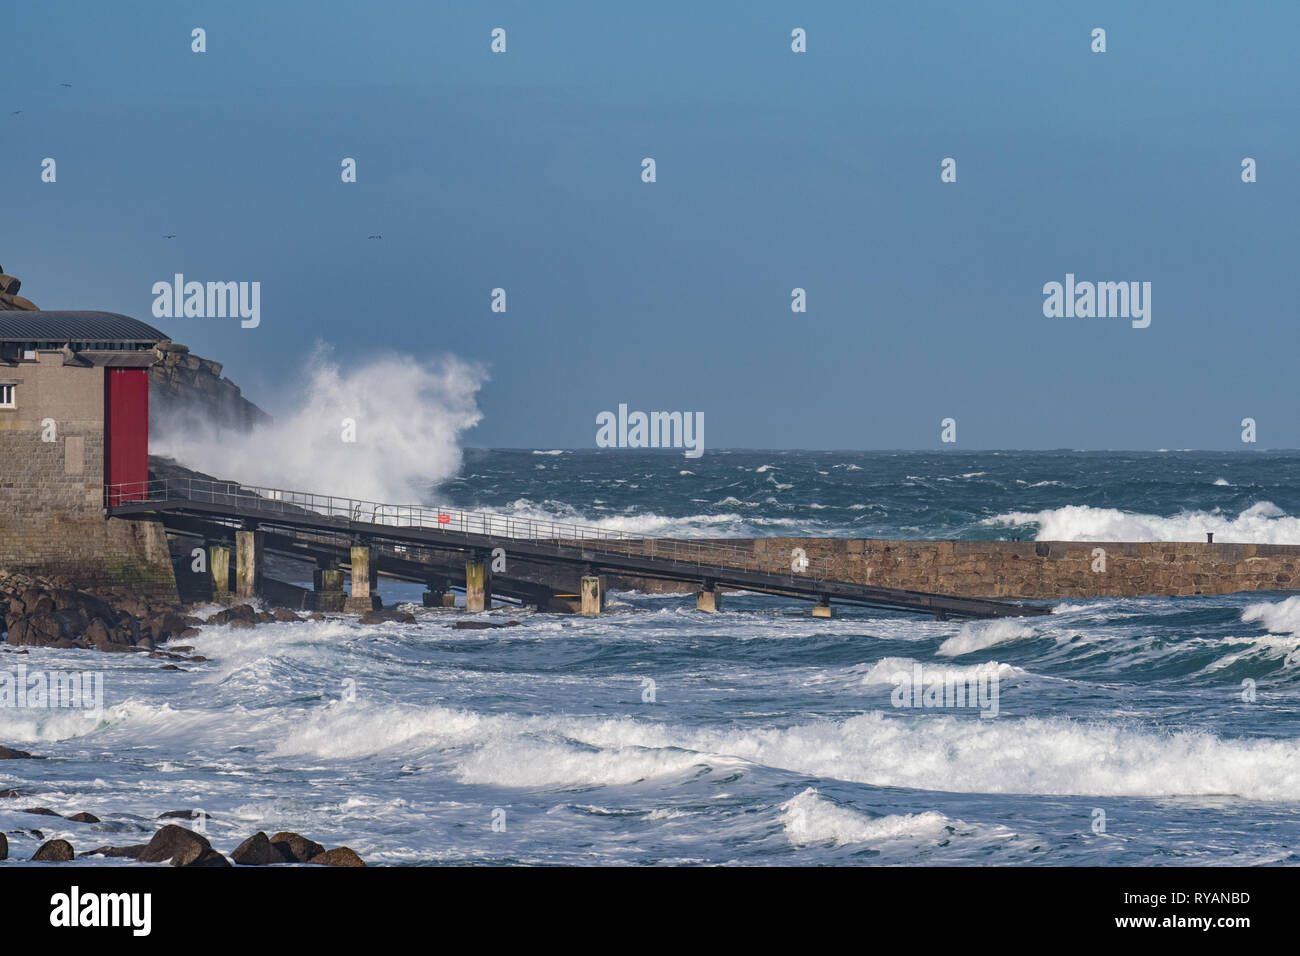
7,396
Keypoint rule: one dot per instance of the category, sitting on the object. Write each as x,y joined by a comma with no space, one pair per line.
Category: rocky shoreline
54,612
182,847
41,612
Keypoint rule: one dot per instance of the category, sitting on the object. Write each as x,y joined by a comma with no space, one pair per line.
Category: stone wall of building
1034,569
52,520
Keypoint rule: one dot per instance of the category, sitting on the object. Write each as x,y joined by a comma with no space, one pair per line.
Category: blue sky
775,170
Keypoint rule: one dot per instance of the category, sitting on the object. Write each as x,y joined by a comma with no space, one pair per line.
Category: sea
1127,731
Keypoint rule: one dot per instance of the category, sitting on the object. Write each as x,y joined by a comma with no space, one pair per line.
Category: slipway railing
446,521
783,570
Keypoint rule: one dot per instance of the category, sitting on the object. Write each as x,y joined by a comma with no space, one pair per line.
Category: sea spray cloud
386,429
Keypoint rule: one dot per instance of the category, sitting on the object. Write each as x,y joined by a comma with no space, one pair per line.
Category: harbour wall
1028,570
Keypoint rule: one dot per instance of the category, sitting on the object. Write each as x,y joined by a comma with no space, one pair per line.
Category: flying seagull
376,236
170,236
15,112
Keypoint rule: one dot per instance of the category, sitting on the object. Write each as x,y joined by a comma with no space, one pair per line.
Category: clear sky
775,170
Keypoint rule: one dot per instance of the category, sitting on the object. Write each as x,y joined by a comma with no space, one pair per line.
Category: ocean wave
1025,755
1282,617
1261,523
888,670
810,818
978,635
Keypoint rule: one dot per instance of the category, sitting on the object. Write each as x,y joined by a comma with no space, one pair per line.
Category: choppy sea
1127,731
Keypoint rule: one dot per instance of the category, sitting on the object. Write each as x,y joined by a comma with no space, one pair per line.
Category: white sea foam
1261,523
1047,755
978,635
1282,617
889,670
727,524
1034,755
811,818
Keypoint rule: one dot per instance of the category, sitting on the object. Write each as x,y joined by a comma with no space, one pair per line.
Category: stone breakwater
1029,570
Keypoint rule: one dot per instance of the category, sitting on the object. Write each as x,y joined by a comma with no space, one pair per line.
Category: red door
126,433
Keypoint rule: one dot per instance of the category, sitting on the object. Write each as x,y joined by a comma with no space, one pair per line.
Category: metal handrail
284,501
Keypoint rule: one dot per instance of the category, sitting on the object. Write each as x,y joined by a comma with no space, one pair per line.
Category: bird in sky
170,235
376,236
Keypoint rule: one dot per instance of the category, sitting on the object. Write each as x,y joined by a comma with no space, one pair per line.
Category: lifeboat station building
74,419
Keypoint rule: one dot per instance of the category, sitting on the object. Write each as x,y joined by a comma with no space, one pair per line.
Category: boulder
162,627
178,845
41,812
41,629
7,754
37,601
258,851
339,856
284,614
239,615
297,848
55,851
131,852
84,817
209,857
98,633
4,847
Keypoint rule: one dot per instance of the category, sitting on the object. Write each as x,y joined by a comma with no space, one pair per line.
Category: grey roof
132,359
16,326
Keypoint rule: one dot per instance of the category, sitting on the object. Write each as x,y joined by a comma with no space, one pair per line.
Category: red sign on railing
444,519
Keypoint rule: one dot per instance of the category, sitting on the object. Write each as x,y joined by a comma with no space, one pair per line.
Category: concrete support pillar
219,568
593,595
478,585
363,596
439,598
327,594
437,593
823,609
707,600
248,563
